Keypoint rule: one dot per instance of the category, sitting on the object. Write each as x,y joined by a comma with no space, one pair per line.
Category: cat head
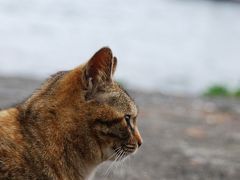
88,106
114,113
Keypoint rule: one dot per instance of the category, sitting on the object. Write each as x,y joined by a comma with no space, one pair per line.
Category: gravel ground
185,138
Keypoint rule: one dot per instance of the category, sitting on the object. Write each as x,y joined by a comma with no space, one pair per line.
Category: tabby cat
75,121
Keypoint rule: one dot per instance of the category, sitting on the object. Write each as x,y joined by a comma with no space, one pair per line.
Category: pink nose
139,143
138,138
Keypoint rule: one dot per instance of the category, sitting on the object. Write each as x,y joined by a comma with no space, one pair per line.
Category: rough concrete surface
185,138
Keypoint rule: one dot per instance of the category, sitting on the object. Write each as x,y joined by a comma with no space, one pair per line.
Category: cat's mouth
123,151
130,148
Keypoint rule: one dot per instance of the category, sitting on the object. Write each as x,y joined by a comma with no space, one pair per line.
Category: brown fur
73,123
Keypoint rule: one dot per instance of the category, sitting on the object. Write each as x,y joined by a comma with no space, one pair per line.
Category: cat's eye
129,121
127,118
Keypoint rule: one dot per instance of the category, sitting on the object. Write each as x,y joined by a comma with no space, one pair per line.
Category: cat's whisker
121,162
127,160
120,153
109,168
114,153
117,154
121,156
118,159
123,159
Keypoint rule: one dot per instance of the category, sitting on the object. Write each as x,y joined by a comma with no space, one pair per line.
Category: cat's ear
100,69
114,65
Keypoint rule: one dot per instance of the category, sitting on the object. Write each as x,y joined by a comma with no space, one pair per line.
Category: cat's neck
71,151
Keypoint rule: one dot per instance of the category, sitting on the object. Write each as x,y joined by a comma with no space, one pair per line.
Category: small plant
237,93
218,90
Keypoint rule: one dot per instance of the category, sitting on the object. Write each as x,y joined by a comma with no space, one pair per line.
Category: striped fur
70,125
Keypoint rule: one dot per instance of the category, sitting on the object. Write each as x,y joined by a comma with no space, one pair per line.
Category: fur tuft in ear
100,69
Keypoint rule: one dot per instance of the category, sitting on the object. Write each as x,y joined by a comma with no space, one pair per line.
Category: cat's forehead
123,101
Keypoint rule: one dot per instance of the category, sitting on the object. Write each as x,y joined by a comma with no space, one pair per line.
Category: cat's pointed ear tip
106,49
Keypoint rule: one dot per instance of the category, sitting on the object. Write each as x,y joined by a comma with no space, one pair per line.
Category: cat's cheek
108,154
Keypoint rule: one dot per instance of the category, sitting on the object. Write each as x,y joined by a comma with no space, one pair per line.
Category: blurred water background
177,46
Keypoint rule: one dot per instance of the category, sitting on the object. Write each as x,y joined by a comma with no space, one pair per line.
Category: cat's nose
139,144
138,138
